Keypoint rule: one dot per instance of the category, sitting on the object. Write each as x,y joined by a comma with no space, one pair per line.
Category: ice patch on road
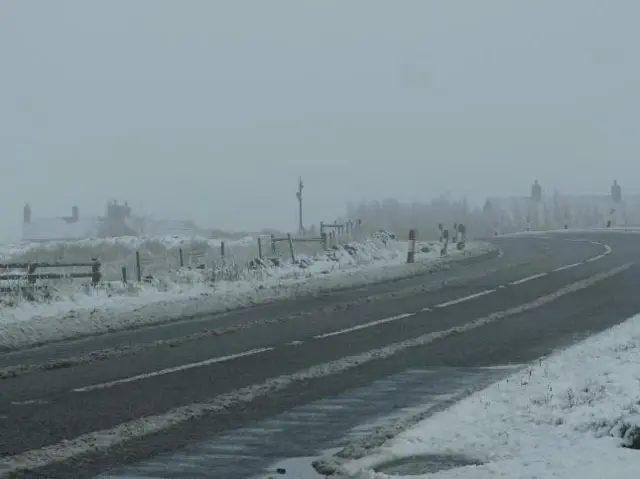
570,415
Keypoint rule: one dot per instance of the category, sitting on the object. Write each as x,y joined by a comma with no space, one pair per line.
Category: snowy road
247,389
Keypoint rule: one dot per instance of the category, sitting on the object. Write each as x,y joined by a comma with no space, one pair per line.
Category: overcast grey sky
210,110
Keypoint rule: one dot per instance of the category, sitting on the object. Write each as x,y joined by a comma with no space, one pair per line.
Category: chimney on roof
26,214
75,213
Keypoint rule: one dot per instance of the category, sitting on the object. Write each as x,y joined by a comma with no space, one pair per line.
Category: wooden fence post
124,274
293,254
138,268
31,273
461,236
95,272
222,251
273,245
259,247
181,258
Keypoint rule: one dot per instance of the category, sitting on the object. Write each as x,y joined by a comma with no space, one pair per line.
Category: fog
210,110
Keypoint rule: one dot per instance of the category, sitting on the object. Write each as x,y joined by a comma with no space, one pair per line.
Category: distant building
555,211
118,221
63,228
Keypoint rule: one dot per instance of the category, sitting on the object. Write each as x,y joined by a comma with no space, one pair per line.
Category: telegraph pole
299,196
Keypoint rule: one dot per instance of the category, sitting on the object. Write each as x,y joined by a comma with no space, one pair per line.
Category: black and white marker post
411,254
444,249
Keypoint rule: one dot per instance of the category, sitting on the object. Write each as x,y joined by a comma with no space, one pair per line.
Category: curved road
231,395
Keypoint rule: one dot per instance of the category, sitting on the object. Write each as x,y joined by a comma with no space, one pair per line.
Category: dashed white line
365,325
162,372
528,278
568,266
35,402
464,298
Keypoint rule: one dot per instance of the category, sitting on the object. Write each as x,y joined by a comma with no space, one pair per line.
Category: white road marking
528,278
162,372
464,298
508,366
365,325
29,402
138,428
568,266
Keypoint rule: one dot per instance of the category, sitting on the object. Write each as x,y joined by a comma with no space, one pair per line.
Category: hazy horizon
210,110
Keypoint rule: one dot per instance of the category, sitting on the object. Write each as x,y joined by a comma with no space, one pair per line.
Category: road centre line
568,266
162,372
528,278
464,298
365,325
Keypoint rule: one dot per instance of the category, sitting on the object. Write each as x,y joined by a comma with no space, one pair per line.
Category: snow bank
574,414
77,310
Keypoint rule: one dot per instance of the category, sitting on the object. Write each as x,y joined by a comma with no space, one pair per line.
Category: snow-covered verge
573,414
158,255
79,311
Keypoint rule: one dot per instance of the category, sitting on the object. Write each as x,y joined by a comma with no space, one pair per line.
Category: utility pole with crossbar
299,195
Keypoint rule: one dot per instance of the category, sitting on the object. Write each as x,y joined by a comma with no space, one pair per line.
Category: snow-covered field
76,309
575,414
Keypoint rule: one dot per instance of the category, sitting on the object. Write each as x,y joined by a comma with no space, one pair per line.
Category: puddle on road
426,464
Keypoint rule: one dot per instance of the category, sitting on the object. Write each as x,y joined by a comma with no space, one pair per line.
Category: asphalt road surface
233,395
